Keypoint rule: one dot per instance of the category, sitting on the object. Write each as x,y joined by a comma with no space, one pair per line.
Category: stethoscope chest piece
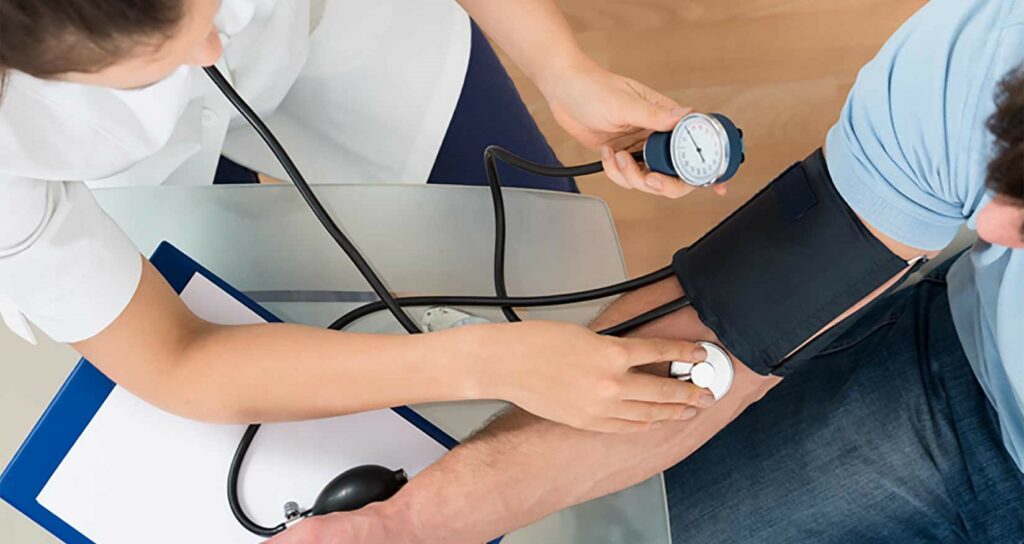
714,374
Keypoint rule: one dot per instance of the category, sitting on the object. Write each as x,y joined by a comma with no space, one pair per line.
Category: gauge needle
699,152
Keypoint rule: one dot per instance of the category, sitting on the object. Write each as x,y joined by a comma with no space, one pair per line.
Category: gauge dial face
699,149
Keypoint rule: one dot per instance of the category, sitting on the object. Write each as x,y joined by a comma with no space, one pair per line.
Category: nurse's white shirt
356,91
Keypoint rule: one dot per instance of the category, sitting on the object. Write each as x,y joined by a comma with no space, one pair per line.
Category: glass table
421,239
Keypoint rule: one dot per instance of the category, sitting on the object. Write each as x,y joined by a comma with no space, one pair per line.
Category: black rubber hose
314,203
233,499
547,170
647,317
491,155
394,305
522,302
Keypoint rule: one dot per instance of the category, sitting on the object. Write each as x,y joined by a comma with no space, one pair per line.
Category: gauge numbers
699,149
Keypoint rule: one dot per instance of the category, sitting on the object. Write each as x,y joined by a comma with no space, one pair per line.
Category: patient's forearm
541,467
523,468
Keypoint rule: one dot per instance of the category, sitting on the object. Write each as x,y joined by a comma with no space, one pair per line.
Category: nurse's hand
569,374
613,113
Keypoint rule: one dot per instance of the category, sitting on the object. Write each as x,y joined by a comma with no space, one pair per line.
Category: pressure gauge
703,149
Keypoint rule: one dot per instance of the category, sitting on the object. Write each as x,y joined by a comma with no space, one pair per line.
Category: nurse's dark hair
1006,170
45,38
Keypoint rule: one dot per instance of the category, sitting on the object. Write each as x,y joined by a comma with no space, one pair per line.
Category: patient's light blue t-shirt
909,154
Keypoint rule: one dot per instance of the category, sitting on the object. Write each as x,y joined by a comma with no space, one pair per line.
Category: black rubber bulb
357,487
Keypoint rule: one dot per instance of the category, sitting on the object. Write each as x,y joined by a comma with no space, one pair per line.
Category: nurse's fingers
625,172
647,181
632,173
667,186
611,168
646,388
651,412
633,141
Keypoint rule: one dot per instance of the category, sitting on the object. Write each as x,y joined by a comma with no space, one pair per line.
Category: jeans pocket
860,332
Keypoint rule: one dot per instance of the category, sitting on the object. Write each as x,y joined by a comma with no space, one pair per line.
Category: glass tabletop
421,240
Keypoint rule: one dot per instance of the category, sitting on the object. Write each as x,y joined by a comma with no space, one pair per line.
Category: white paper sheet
138,474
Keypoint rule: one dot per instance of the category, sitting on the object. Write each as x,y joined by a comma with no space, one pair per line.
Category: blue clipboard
85,391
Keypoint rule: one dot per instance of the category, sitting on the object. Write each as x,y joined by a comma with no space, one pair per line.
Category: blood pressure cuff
782,267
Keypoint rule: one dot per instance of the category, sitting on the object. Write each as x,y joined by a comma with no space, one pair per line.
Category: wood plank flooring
780,68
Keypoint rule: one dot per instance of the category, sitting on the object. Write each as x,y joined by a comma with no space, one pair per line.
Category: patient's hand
370,525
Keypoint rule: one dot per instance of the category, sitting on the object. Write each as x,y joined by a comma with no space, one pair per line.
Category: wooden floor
780,68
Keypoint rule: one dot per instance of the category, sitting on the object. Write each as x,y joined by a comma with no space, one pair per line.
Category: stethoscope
701,150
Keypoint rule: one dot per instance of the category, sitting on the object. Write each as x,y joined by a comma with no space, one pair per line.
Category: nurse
110,92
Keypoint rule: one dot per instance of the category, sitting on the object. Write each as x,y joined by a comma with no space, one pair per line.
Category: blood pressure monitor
702,150
800,231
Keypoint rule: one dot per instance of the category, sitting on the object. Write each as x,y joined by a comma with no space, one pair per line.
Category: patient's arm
541,467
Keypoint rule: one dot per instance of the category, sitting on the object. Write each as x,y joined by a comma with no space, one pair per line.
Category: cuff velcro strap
783,266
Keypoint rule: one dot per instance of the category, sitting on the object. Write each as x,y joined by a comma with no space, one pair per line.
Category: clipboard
86,391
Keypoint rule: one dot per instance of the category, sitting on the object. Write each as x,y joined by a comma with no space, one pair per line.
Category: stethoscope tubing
396,305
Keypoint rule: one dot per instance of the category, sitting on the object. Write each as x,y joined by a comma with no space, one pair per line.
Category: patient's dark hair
45,38
1006,171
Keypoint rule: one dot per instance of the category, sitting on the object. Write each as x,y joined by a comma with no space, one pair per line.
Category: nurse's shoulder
61,131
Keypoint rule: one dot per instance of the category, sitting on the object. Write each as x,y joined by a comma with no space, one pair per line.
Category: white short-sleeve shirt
357,91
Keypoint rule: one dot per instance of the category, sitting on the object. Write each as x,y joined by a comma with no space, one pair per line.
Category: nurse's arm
602,110
159,350
534,33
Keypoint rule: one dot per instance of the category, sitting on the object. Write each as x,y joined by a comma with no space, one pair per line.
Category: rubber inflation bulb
358,487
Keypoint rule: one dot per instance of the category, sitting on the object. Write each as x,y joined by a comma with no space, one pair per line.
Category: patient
908,427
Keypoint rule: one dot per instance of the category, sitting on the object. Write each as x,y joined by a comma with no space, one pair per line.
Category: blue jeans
489,111
885,436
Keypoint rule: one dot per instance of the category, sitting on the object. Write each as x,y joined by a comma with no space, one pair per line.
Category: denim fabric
490,111
230,172
910,154
885,436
